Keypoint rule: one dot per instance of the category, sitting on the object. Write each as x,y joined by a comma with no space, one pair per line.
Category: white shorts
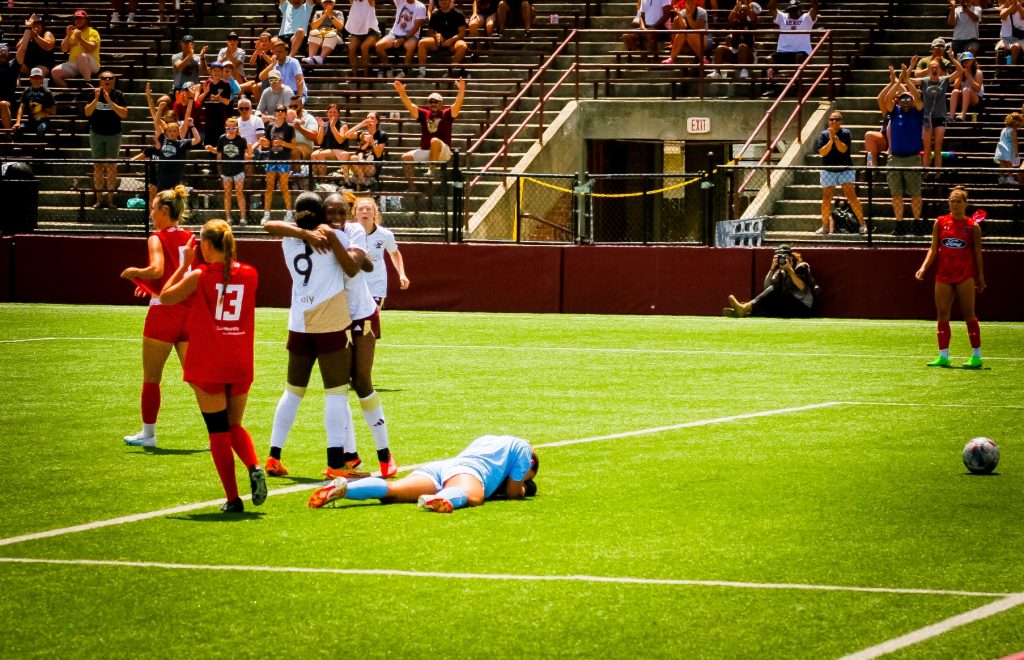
238,177
329,39
1006,43
424,154
71,68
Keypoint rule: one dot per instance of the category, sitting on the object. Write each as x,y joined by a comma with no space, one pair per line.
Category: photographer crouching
789,289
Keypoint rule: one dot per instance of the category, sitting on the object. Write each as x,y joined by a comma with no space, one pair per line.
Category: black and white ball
981,455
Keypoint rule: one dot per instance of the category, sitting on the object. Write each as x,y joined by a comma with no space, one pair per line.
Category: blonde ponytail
222,239
176,202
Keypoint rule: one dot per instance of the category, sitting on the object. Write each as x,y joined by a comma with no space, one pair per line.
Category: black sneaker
258,483
234,506
920,227
900,229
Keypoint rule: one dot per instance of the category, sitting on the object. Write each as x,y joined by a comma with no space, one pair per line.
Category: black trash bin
19,191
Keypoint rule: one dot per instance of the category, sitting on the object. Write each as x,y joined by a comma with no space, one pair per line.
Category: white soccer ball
981,455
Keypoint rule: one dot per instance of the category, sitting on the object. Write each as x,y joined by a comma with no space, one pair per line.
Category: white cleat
139,440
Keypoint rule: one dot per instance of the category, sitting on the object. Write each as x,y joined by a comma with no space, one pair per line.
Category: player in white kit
379,240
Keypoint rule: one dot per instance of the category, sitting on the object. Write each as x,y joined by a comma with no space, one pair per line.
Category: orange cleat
389,469
435,504
275,468
348,471
329,493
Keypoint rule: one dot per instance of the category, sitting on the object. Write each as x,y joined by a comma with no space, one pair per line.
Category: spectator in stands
229,78
252,129
1008,150
188,67
36,47
934,88
288,67
906,118
234,55
217,103
262,55
834,146
519,12
449,27
170,152
435,128
279,142
371,143
650,21
876,143
331,142
188,106
965,19
490,15
789,289
740,46
971,89
1011,31
36,106
792,48
295,16
697,42
277,94
232,151
363,32
307,127
404,34
118,6
9,74
938,54
82,43
105,112
324,34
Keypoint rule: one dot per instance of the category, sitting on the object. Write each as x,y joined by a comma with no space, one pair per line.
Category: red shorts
231,389
318,343
368,326
167,323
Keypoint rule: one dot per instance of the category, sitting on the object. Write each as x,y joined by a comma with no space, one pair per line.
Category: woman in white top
363,31
1011,31
318,260
971,88
378,241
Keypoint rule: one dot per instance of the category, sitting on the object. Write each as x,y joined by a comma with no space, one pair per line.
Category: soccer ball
981,455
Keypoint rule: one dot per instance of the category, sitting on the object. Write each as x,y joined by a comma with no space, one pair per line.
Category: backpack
843,218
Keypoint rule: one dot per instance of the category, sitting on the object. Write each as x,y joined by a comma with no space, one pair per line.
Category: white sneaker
716,74
422,73
139,440
744,73
115,17
266,217
288,216
131,19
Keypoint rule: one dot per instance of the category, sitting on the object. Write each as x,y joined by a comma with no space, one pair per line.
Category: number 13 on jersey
229,302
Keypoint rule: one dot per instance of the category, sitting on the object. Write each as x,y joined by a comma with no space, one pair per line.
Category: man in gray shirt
275,95
187,65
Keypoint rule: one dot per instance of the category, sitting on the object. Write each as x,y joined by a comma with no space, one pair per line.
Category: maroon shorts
368,326
167,323
318,343
231,389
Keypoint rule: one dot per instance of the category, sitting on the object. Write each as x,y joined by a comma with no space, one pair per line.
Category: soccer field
708,487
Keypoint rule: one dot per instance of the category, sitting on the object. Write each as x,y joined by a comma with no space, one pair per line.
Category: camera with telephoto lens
782,254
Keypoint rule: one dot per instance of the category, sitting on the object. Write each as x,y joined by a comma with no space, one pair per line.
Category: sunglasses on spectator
106,77
244,107
835,119
280,109
230,128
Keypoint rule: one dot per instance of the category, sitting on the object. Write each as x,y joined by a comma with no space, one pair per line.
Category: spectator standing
36,47
435,128
188,105
216,100
363,30
1007,154
876,143
289,68
906,118
938,54
696,42
277,94
449,27
117,6
324,34
789,289
794,44
834,144
170,152
965,19
1011,31
295,15
971,88
740,45
262,55
82,43
188,66
235,55
934,88
651,18
279,142
490,15
36,106
9,74
232,152
105,112
252,129
405,34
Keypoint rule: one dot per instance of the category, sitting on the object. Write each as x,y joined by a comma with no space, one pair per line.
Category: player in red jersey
219,363
956,244
165,324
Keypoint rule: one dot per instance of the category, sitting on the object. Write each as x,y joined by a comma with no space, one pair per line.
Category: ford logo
957,243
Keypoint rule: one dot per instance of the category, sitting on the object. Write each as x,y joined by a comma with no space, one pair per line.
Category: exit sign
698,125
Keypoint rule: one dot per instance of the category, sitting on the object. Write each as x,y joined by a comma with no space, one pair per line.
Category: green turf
869,492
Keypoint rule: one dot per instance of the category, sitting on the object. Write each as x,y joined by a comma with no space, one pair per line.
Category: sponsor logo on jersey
955,243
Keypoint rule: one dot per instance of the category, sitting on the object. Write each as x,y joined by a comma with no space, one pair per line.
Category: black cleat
258,484
233,506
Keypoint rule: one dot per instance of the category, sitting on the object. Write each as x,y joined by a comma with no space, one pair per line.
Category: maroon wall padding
6,245
653,280
482,278
856,283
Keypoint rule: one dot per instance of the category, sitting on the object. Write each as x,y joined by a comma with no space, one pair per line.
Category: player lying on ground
491,465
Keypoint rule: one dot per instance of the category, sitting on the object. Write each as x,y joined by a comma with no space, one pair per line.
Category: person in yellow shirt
82,43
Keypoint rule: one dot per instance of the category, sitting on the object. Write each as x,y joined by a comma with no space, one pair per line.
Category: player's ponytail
176,202
309,211
219,234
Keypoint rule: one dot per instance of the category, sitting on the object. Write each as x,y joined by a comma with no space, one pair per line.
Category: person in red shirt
219,363
956,245
165,324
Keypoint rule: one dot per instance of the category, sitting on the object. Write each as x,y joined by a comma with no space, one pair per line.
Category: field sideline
708,488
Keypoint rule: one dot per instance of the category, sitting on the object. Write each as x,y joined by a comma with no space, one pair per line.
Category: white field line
185,508
567,349
597,579
936,629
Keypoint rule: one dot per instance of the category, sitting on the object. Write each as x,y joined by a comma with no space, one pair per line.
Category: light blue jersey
489,458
